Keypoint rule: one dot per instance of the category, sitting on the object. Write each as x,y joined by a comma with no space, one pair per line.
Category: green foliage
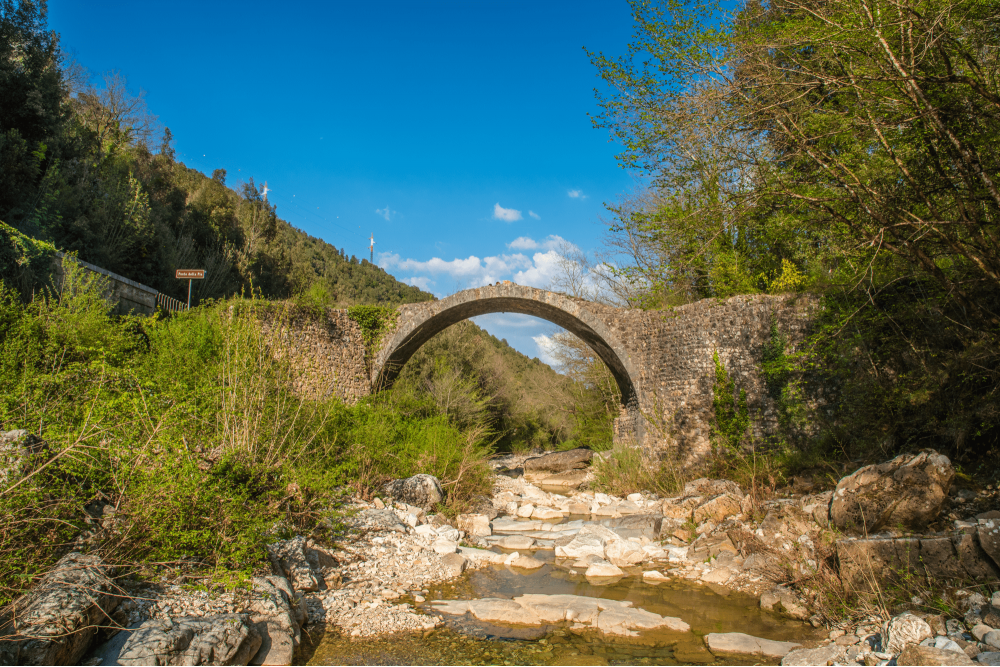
775,364
77,170
732,417
626,469
187,428
843,148
473,377
24,262
375,322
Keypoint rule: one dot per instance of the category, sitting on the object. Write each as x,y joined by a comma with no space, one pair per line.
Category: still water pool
464,640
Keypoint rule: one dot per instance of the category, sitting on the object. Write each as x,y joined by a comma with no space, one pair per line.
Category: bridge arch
418,323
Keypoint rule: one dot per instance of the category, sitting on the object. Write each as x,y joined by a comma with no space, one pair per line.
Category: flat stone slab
740,644
611,617
824,655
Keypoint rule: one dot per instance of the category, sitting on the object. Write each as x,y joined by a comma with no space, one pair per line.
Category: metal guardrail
169,303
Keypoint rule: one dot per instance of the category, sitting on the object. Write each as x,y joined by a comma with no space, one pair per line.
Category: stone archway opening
418,323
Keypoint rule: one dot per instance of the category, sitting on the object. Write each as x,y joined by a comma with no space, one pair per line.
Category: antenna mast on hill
371,249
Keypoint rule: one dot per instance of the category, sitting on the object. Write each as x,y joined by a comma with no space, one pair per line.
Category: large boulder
55,623
422,491
225,639
863,563
907,491
557,462
783,599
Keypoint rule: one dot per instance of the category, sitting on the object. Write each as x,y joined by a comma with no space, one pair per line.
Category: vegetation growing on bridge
375,323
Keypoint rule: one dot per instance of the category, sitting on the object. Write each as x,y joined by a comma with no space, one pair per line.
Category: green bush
188,428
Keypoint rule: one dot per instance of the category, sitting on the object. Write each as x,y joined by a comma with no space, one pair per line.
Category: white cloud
537,270
471,271
550,242
576,194
423,282
385,212
523,243
545,267
505,214
545,346
534,215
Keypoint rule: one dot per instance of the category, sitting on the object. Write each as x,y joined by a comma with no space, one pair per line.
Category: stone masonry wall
327,353
672,352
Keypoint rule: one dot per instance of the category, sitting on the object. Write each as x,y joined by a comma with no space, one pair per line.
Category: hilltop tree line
845,148
88,169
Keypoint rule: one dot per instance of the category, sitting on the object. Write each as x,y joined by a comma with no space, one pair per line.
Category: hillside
473,377
89,170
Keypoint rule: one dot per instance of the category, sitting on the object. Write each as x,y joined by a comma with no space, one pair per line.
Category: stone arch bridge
661,360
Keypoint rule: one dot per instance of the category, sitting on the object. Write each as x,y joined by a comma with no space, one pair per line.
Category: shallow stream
464,640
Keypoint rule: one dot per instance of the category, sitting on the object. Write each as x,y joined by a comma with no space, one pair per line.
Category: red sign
189,274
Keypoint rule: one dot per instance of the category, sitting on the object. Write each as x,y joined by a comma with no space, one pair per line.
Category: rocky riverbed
617,559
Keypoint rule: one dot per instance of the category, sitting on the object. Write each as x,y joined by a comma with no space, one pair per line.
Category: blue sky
455,132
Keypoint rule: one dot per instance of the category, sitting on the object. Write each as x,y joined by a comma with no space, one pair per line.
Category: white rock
946,644
719,576
474,524
610,511
654,575
426,530
634,497
581,546
449,533
516,542
444,546
654,552
624,553
511,508
905,629
525,511
743,644
677,554
526,563
603,570
543,513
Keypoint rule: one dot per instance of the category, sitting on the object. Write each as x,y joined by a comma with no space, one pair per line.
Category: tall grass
180,440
